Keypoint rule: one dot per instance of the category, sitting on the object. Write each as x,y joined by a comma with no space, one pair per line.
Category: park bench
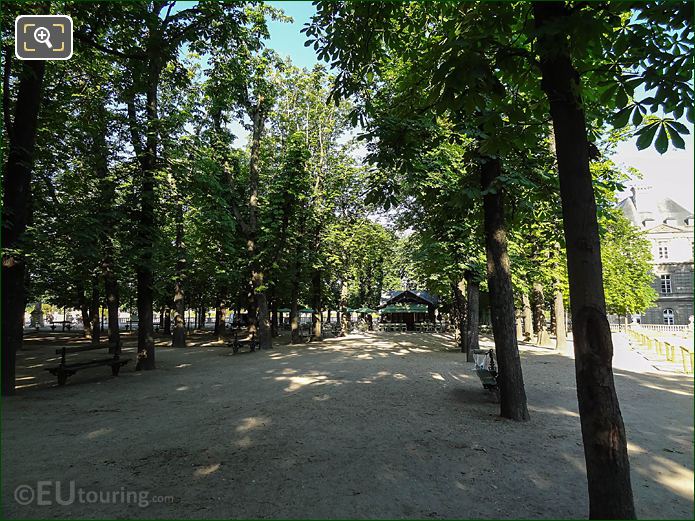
64,370
486,369
237,344
64,323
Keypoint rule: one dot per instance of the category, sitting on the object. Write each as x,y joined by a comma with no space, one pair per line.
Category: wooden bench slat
79,349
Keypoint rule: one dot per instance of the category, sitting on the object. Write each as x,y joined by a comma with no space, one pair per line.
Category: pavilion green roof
404,308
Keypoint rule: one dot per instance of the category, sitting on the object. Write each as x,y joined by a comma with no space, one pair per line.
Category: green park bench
236,344
486,369
64,369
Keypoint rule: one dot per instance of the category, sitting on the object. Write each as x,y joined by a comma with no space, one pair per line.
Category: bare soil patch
370,426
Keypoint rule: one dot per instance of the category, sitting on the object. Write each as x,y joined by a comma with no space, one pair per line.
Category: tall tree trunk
274,329
265,339
15,212
258,295
510,378
178,338
112,303
471,340
167,320
603,432
316,305
84,310
459,314
344,315
538,303
294,322
294,296
219,319
94,312
560,331
527,316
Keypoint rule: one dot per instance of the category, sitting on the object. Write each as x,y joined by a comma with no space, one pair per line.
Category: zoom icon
43,37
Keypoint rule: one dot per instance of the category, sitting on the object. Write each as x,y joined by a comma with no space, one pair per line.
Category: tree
15,208
626,256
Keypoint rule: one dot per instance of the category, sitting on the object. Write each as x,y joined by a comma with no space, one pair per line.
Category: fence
665,345
654,328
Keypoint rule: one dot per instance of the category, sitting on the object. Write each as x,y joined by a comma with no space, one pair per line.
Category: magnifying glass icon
43,35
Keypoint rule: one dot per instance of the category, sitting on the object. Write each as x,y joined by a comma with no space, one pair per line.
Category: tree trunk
472,316
167,320
344,315
459,314
15,212
112,304
316,305
84,310
603,432
202,317
94,312
265,339
519,324
179,337
274,329
510,378
528,317
294,296
219,319
537,305
559,312
294,322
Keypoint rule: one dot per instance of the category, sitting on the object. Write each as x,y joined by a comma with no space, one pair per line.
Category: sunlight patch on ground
253,422
297,382
180,366
437,376
673,476
206,471
635,449
556,410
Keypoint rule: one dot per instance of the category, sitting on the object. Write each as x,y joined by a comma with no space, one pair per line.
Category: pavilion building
408,307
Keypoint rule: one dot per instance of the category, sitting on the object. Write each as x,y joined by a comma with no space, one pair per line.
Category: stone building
669,228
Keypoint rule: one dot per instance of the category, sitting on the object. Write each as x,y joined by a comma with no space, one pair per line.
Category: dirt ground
389,425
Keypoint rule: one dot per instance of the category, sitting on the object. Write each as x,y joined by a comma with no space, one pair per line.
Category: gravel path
372,426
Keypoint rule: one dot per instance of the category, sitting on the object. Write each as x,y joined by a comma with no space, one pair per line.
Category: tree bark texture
510,378
603,432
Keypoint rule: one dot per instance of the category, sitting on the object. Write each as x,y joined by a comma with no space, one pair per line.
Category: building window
668,316
666,284
663,250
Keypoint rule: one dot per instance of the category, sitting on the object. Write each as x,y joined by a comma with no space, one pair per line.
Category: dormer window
663,250
670,222
689,221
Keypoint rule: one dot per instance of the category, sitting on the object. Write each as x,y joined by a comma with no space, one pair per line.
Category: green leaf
646,135
676,138
679,127
621,118
636,116
661,143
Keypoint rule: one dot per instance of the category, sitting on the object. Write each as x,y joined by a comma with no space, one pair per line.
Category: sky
667,175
